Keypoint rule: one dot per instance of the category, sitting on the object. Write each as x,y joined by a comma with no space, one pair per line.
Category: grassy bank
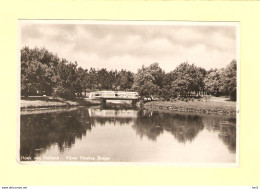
45,102
208,107
49,102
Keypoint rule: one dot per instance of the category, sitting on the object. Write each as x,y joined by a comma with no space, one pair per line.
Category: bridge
115,95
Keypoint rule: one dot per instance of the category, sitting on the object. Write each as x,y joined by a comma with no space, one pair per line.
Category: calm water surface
114,135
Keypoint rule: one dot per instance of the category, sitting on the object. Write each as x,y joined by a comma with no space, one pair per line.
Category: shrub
63,93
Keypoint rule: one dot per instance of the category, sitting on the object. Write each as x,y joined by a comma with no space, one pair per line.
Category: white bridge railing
113,94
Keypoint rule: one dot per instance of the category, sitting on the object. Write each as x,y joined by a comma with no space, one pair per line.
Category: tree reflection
228,133
182,126
225,126
40,131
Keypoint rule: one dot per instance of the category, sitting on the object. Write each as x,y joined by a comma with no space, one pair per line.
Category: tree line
44,73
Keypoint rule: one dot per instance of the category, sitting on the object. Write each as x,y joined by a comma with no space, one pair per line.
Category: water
120,135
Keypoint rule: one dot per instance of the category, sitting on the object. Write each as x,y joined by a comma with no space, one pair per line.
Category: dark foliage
43,73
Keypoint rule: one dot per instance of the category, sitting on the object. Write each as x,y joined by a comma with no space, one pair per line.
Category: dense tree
66,85
37,71
103,79
81,81
124,80
188,79
93,83
213,82
229,80
42,72
182,85
167,92
149,80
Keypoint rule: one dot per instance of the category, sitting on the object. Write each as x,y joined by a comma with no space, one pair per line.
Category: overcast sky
131,46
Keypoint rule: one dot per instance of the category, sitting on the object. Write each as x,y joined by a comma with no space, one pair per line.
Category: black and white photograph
159,92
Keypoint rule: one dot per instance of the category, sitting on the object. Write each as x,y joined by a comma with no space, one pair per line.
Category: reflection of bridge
104,99
97,113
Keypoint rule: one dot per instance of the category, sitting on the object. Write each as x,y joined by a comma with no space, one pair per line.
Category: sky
131,45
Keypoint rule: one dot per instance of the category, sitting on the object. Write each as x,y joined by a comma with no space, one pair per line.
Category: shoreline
50,102
203,107
220,108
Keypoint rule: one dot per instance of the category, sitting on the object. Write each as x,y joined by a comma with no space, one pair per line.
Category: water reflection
228,133
40,131
226,127
182,126
111,116
64,129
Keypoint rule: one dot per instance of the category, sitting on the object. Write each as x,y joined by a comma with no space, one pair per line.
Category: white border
132,22
18,101
130,187
238,92
129,22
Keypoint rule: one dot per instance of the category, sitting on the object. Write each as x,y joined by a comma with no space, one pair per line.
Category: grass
46,110
48,102
214,105
197,104
42,102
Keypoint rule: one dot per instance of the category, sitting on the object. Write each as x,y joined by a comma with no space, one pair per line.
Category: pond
93,134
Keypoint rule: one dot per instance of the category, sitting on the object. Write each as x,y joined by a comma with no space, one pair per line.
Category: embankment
223,108
51,102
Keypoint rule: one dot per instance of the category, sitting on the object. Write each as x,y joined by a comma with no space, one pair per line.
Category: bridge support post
134,103
103,102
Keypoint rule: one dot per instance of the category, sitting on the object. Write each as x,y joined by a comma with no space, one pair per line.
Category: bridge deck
118,98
